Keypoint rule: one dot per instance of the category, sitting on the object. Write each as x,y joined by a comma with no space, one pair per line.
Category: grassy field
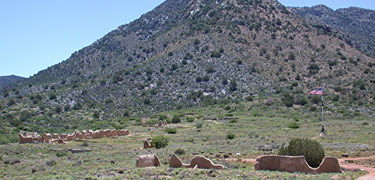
259,129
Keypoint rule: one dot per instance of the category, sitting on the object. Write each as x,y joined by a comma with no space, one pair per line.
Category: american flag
316,92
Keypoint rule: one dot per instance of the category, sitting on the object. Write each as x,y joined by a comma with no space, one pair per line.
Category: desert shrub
77,106
315,99
3,140
311,149
190,119
176,119
301,100
224,81
62,153
179,151
314,68
294,125
233,121
174,67
163,117
206,78
160,141
249,98
215,54
96,115
146,101
230,136
288,99
11,102
233,85
171,130
199,125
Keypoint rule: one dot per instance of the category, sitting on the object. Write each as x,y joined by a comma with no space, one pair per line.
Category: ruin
147,145
160,124
65,138
147,161
296,164
197,161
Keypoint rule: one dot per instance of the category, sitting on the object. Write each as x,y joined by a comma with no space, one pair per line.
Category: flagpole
322,108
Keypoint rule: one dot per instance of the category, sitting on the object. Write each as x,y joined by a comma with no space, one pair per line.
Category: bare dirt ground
360,163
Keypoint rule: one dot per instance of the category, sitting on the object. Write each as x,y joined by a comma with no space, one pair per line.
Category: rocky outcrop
296,164
65,138
147,161
197,161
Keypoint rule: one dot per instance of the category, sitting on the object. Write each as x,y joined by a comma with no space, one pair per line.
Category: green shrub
311,149
230,136
3,139
215,54
288,99
62,153
233,85
160,141
294,125
179,152
190,119
199,125
96,115
249,98
176,119
171,130
163,117
233,121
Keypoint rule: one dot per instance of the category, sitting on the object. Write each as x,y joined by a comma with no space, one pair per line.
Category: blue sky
40,33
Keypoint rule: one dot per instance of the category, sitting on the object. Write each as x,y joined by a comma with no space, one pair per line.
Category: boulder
147,161
295,164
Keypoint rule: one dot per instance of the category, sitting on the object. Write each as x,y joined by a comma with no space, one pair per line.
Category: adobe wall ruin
296,164
65,138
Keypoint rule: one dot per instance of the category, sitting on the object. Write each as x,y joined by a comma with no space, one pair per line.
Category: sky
40,33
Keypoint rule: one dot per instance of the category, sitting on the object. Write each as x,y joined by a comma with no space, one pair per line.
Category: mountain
357,24
188,53
6,80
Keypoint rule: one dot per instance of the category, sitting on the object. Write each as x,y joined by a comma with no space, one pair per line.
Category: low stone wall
296,164
64,138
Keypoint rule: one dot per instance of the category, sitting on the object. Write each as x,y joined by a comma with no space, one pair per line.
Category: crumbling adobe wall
65,138
296,164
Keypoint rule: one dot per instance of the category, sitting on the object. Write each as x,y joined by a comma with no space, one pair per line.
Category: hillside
188,53
357,24
6,80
